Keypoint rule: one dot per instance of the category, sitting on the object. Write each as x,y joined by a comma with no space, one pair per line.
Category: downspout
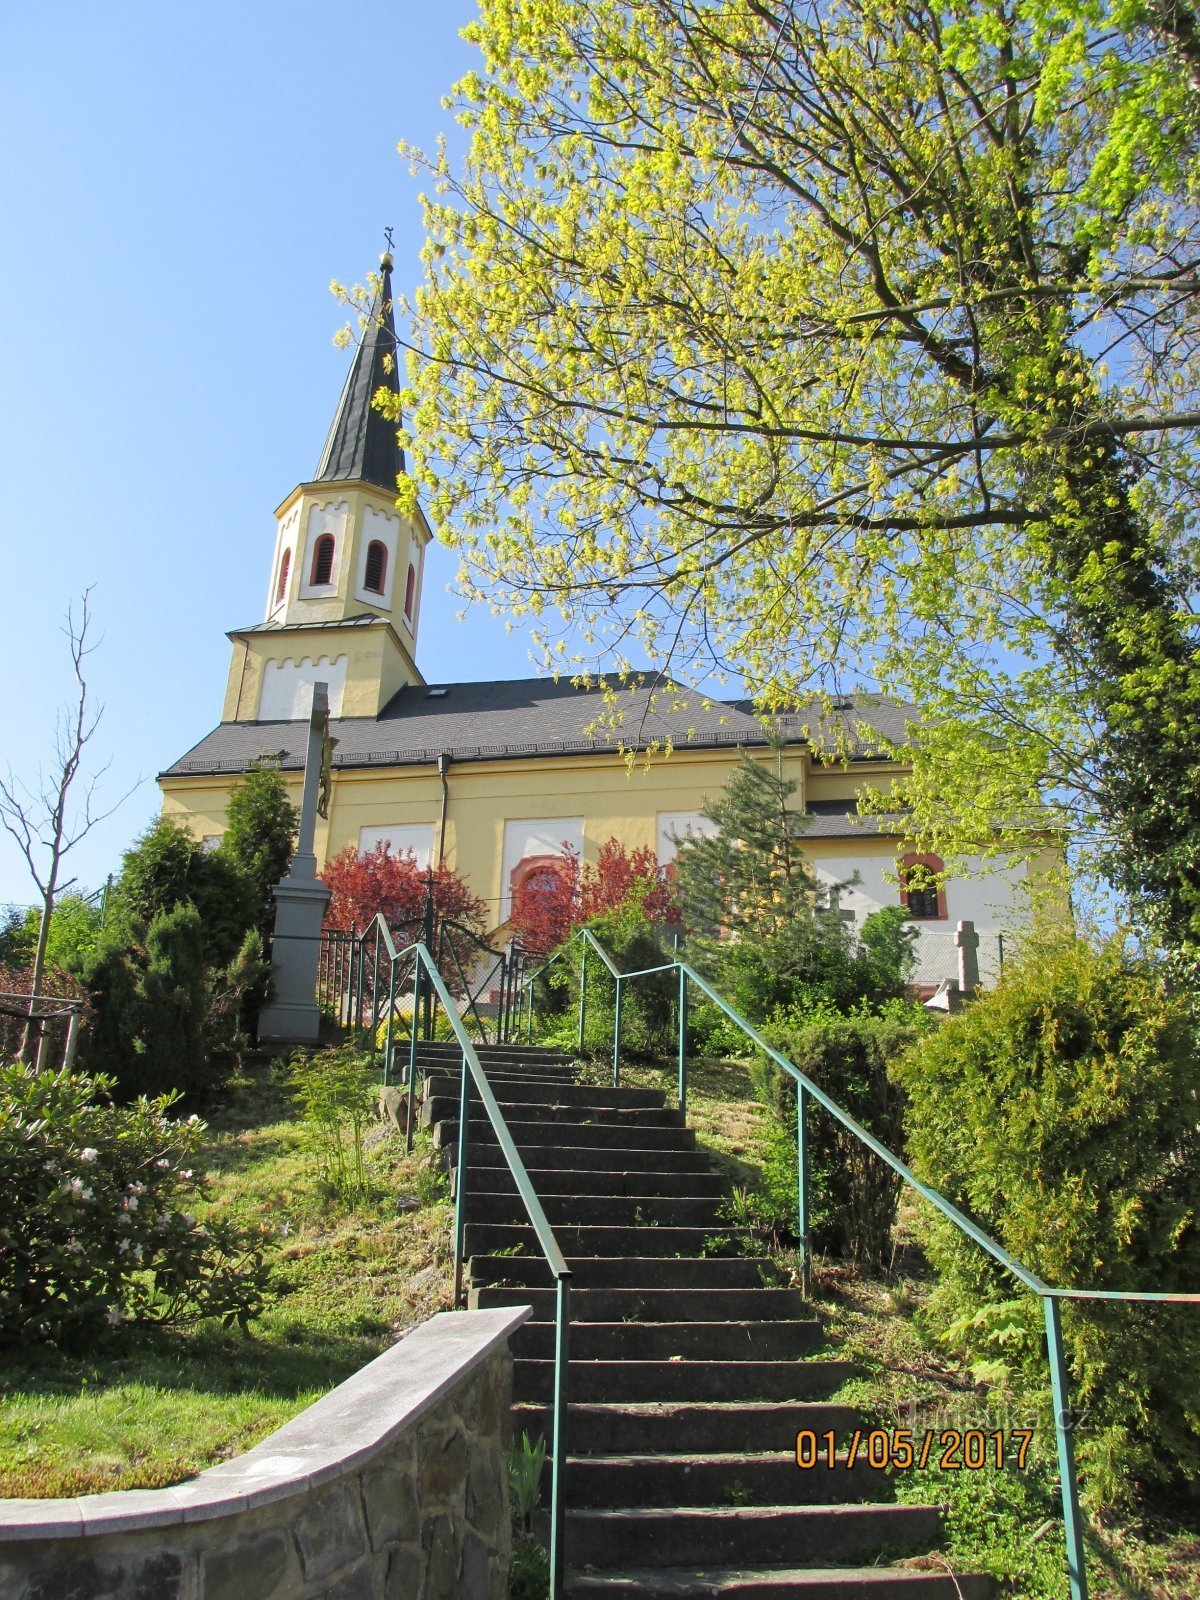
443,766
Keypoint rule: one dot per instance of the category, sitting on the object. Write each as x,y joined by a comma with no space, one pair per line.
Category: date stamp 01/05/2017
947,1449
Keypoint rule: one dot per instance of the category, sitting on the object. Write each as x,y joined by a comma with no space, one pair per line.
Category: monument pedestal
291,1016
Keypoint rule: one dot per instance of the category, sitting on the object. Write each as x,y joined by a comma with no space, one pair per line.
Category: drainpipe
443,765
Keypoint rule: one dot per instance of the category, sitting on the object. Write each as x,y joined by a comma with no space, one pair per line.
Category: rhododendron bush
98,1221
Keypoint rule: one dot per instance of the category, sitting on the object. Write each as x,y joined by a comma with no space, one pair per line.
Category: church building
491,778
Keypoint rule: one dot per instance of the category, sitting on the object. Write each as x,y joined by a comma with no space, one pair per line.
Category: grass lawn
148,1406
1007,1522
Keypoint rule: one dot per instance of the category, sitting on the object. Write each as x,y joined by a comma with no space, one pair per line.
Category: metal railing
424,969
806,1091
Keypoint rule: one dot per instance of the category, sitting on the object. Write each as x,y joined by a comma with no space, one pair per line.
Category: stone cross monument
290,1015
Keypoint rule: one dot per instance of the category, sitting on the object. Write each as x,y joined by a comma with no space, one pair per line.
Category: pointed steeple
362,443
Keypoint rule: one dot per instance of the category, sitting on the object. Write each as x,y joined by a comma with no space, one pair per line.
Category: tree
563,895
846,346
45,821
377,882
260,835
167,867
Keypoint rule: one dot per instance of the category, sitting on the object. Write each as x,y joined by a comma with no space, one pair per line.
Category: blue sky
178,186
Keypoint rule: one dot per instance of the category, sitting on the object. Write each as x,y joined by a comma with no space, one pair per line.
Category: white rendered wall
321,520
379,526
992,901
287,688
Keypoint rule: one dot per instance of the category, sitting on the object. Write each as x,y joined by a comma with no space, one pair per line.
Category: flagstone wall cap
336,1435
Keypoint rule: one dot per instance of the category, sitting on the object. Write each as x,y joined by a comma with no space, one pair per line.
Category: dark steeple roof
362,443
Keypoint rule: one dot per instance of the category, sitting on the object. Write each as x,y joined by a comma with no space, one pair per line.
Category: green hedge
1061,1113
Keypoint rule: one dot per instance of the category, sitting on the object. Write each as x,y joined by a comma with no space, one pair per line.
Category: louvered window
322,567
376,567
285,566
410,590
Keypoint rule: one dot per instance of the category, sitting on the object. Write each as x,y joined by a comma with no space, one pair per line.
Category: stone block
389,1494
364,1583
260,1564
487,1484
443,1469
477,1577
466,1403
442,1540
405,1572
152,1575
330,1532
495,1394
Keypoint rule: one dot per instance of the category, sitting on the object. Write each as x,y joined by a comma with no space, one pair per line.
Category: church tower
344,595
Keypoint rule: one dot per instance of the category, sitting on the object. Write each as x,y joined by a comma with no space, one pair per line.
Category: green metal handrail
807,1090
472,1070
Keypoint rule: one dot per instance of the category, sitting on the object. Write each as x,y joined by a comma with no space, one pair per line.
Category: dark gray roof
362,443
507,719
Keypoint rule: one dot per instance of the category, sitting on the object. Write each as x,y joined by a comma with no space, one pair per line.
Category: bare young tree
46,821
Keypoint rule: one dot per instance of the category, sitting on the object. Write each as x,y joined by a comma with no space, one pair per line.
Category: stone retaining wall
394,1486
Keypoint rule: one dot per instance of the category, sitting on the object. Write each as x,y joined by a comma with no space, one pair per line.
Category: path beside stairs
690,1373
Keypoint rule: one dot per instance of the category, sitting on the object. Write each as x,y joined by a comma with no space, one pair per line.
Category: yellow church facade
491,778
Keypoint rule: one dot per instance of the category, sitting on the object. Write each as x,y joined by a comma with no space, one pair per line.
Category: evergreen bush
853,1195
148,1003
97,1216
1060,1112
165,868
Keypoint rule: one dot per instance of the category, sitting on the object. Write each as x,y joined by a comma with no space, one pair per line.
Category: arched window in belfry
376,567
285,566
322,567
410,590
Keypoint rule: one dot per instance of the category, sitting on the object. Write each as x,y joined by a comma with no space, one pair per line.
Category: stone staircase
690,1372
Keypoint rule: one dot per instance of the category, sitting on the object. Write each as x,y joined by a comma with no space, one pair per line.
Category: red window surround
376,575
322,567
285,566
925,900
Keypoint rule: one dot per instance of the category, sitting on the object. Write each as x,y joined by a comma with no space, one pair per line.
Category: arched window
322,567
285,566
410,589
376,567
921,889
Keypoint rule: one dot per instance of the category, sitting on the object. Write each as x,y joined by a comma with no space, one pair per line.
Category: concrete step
615,1382
783,1340
557,1134
618,1119
441,1087
780,1583
630,1181
773,1535
686,1427
718,1480
485,1238
630,1272
649,1305
607,1210
569,1157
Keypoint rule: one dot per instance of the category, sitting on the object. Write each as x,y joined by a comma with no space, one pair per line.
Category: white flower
284,1229
137,1254
76,1187
130,1202
186,1173
86,1195
112,1316
124,1246
74,1247
162,1163
162,1221
88,1154
136,1188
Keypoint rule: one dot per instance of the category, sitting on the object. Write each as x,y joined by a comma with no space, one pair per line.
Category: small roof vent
437,694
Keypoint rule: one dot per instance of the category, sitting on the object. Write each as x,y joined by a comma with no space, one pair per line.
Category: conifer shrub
167,867
853,1195
98,1222
1060,1112
148,1006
